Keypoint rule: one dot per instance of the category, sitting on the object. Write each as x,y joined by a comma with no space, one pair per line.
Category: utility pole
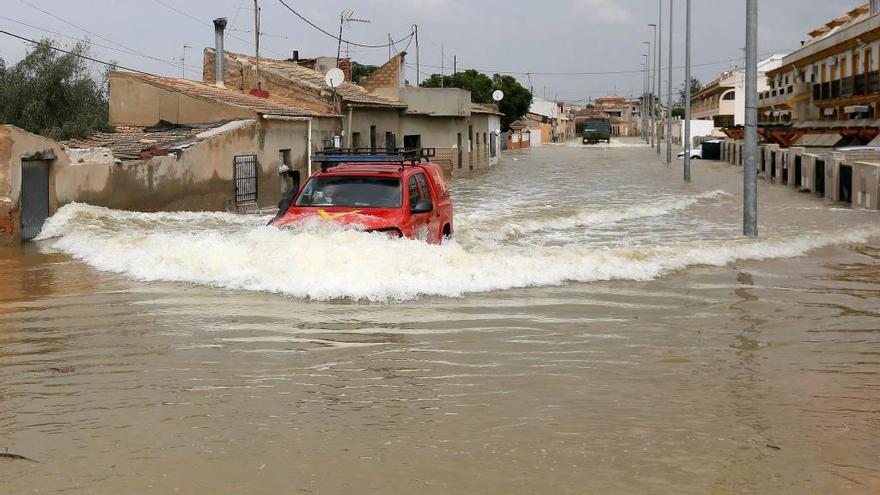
345,19
653,95
257,42
418,66
669,89
454,64
646,92
750,146
644,96
659,67
687,95
390,45
183,62
442,63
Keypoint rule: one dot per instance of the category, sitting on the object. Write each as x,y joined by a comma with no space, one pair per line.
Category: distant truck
596,130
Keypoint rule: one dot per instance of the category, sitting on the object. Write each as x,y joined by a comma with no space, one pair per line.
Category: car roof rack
331,157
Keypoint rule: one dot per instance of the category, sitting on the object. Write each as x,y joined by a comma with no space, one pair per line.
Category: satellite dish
334,77
497,95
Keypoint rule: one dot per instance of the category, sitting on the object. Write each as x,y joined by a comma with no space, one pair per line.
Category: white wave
236,252
587,217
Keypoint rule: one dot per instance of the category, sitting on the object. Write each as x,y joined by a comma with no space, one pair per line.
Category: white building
723,99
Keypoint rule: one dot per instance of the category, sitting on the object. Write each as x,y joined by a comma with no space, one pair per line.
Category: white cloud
605,11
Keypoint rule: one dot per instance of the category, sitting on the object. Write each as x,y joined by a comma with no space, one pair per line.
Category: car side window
423,184
414,195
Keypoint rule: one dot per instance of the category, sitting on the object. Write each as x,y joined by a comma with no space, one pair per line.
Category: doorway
845,186
34,197
798,180
820,178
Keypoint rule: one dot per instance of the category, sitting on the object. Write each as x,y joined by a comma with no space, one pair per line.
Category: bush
53,94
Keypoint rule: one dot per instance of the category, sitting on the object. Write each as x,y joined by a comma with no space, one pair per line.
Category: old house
380,112
178,145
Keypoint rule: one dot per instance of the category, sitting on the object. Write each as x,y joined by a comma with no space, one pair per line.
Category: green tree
361,71
53,94
515,104
696,85
678,112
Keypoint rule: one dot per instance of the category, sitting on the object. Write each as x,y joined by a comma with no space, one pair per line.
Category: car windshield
361,192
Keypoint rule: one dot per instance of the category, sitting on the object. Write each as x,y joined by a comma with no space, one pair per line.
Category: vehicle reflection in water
728,372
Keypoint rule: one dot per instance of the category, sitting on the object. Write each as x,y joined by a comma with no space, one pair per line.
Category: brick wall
387,76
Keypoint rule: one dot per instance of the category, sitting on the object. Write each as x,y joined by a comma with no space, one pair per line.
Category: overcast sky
511,36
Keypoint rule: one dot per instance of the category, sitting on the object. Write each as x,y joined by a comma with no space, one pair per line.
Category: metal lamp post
648,96
669,90
652,96
659,65
687,95
750,146
645,99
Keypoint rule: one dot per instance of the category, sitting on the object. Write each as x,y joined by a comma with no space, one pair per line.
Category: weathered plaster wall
385,120
137,102
14,145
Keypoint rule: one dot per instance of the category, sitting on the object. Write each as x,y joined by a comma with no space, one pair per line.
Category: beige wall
385,120
200,178
14,143
137,102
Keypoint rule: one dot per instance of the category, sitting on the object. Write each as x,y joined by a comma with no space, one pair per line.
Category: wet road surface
597,327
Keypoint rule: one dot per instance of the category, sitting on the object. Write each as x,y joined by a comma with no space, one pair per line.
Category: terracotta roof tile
313,79
273,106
135,142
485,108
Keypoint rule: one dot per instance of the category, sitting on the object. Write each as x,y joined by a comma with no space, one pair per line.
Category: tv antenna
345,20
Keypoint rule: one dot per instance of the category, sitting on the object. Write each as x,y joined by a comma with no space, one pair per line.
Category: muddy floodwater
598,326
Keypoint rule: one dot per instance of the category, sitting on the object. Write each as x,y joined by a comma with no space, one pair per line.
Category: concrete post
750,172
687,95
669,89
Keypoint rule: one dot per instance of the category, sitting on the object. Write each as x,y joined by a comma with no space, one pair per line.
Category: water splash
241,253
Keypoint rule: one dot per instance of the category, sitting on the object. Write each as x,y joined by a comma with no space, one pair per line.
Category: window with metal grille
245,176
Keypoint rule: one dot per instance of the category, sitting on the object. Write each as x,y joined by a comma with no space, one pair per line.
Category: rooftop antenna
257,42
183,62
345,20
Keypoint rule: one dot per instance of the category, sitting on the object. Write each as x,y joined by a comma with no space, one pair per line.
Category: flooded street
598,326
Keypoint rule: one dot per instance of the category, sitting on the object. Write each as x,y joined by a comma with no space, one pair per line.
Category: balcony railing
861,85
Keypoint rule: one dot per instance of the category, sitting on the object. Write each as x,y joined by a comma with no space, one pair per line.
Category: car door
419,223
434,227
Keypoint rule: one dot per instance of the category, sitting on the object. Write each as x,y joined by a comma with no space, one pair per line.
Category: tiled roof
195,89
312,79
134,142
485,108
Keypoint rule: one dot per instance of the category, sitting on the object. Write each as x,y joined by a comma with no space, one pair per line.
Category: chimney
295,57
219,26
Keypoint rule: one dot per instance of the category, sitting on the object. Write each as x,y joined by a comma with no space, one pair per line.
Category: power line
205,23
130,50
335,37
595,73
80,55
92,43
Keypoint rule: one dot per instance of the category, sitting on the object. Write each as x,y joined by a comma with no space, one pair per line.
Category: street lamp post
750,146
648,96
687,95
659,65
653,108
669,90
645,100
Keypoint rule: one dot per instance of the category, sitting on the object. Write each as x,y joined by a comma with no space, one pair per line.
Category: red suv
399,193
